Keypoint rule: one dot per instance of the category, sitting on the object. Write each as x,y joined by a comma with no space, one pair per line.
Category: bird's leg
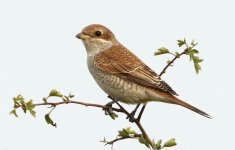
109,109
131,117
141,112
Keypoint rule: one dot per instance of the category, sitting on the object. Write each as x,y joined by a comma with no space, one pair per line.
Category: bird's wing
118,61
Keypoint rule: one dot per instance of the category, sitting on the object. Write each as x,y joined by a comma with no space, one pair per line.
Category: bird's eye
98,33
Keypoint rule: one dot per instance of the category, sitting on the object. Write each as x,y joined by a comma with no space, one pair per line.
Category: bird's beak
82,36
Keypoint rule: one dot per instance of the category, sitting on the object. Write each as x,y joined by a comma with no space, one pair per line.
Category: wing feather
120,62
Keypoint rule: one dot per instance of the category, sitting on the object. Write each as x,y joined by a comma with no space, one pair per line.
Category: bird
121,74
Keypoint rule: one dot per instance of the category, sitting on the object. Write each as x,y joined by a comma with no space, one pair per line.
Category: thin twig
171,62
54,104
123,138
121,109
145,134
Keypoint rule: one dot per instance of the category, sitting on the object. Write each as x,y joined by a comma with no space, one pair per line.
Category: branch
54,104
190,50
171,62
122,138
19,102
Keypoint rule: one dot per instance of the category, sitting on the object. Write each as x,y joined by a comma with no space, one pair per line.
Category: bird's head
96,38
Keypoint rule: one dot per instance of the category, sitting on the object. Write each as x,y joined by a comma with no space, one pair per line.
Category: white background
39,52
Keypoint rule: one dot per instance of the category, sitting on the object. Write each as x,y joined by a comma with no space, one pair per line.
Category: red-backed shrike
121,74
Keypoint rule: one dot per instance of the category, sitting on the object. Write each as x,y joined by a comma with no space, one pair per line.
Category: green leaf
30,106
170,143
193,43
129,131
142,140
32,112
126,132
158,144
14,113
123,133
56,93
49,120
191,56
177,54
22,102
113,115
197,67
18,98
24,108
161,51
194,51
45,99
181,42
197,59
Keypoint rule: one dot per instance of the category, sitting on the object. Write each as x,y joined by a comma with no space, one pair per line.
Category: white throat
94,46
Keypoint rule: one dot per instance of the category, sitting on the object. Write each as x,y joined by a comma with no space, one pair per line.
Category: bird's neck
93,47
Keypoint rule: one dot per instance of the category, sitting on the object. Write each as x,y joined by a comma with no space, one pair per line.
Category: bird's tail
156,95
186,105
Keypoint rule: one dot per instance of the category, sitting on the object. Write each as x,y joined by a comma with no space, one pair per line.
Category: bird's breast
117,87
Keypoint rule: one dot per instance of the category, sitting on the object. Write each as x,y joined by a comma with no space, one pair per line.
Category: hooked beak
82,36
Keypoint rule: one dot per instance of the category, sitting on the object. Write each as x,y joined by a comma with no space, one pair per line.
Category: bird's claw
131,117
109,109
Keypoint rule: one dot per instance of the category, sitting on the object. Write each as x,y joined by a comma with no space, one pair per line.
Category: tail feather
157,95
186,105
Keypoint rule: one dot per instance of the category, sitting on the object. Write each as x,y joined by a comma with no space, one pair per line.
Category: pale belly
121,89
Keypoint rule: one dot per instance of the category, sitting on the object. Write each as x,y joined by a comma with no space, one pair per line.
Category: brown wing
118,61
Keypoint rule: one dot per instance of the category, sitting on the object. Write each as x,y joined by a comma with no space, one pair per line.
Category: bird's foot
109,109
131,116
